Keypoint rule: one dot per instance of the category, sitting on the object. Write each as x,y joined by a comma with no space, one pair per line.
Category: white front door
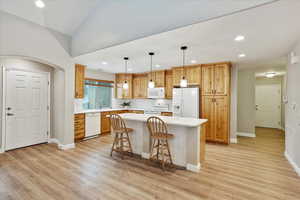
26,109
268,105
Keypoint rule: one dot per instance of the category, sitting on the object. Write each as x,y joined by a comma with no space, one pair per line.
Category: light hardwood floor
253,169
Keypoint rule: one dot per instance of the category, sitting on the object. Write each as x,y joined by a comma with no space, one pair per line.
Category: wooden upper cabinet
158,77
207,79
221,120
169,84
193,75
178,72
221,79
140,86
79,81
121,93
216,79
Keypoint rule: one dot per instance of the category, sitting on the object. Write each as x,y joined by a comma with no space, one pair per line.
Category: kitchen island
187,146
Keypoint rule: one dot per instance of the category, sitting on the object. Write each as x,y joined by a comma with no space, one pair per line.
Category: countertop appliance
92,124
186,102
156,93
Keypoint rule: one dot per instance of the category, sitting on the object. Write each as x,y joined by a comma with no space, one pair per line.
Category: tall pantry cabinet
216,101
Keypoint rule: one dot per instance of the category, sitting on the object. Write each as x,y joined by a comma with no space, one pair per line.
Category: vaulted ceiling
97,24
270,32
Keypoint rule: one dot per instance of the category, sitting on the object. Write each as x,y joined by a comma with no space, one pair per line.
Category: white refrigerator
186,102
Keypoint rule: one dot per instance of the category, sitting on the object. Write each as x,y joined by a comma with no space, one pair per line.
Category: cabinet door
193,75
207,79
221,119
160,78
136,87
144,87
79,126
169,84
177,75
105,122
208,112
221,79
79,81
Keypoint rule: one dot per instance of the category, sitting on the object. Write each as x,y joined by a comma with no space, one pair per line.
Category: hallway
254,169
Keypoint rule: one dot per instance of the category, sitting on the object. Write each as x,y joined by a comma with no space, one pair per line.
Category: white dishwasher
92,124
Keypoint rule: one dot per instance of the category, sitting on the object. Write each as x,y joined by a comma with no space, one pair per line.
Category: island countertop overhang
169,120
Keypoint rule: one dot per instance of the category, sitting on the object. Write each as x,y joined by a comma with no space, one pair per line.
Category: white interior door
26,109
268,105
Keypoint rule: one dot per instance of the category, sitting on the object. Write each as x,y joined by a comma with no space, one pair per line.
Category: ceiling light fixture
125,85
239,38
151,83
104,63
157,65
242,55
270,74
183,81
193,61
39,4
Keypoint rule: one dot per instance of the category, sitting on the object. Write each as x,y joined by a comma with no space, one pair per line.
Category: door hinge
48,82
47,107
47,133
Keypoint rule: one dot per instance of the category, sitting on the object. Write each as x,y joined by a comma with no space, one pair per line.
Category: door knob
9,114
8,108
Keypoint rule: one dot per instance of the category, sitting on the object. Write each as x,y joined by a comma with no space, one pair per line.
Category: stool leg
152,148
163,155
157,152
129,144
169,153
122,146
113,146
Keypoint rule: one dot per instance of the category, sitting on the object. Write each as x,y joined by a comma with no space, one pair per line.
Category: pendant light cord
183,48
151,54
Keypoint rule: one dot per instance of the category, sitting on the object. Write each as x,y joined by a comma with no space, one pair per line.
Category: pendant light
183,81
151,83
125,84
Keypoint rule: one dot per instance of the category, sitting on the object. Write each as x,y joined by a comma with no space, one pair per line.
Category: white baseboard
193,168
294,165
246,134
53,140
145,155
66,146
61,146
233,140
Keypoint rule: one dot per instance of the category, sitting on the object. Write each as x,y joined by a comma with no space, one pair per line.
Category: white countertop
180,121
104,110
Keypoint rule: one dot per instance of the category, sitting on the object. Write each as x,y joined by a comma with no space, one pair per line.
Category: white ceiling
108,22
64,16
270,30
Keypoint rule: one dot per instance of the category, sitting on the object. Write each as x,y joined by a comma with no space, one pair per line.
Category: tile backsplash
146,104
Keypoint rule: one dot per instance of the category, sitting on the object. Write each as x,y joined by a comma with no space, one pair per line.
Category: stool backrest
117,123
156,126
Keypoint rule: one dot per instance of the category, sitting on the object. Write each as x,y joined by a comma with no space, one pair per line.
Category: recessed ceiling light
39,4
270,74
193,61
104,63
239,38
242,55
157,65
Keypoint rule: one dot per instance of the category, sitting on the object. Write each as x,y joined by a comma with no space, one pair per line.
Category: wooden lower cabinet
79,126
136,111
166,114
216,110
105,122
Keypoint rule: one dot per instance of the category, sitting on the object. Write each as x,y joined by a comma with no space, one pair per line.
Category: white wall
233,106
20,38
246,102
293,113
